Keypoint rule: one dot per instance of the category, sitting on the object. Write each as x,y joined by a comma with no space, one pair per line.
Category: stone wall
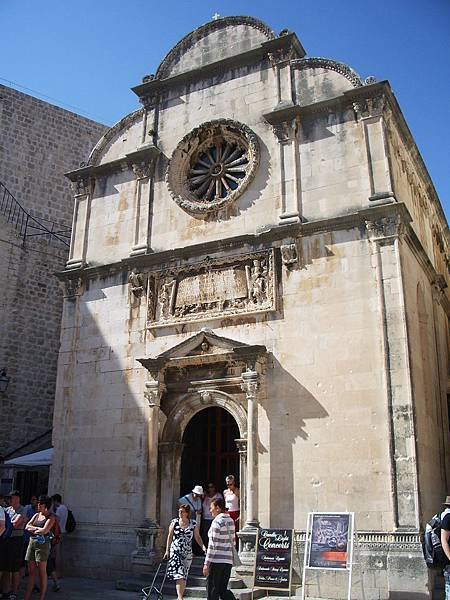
38,143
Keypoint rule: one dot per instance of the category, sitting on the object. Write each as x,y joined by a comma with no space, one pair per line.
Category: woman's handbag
236,560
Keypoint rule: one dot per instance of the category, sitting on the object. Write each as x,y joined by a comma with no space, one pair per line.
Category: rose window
212,166
218,171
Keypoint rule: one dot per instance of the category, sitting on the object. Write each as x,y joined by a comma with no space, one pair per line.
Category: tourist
445,541
13,549
219,555
61,511
232,500
32,507
194,500
207,518
2,542
179,547
39,546
51,561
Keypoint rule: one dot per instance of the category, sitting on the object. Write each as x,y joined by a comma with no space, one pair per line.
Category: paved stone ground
74,588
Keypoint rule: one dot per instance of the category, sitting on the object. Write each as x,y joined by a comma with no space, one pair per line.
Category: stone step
196,587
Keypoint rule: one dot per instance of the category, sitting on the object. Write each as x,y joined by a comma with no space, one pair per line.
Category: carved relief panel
214,289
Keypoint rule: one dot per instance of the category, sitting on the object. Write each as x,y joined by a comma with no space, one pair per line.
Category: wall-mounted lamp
4,381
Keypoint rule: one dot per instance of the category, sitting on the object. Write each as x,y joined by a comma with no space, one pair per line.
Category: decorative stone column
250,385
143,556
154,390
82,186
242,449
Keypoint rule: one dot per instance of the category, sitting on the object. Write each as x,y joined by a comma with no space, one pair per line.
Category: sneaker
56,587
13,596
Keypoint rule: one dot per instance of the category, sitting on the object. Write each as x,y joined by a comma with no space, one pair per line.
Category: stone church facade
257,284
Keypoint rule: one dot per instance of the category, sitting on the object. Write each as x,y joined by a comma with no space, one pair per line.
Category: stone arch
194,37
190,404
112,133
332,65
171,442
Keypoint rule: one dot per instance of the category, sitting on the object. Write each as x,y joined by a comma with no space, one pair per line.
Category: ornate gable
204,347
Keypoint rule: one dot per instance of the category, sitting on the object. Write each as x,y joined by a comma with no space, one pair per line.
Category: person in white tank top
232,500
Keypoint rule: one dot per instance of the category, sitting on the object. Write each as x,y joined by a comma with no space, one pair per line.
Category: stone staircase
196,587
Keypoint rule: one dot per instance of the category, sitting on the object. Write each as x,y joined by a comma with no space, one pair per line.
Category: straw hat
447,500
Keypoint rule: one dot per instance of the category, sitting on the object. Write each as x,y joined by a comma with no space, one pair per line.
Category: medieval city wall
39,142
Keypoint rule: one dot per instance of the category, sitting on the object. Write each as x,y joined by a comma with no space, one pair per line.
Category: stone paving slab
74,588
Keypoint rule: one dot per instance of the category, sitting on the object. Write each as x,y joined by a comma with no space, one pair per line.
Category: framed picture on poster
329,544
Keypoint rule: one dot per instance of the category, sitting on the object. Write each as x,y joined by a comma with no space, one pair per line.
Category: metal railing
28,226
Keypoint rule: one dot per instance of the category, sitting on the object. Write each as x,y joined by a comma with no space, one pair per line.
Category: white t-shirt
62,512
231,500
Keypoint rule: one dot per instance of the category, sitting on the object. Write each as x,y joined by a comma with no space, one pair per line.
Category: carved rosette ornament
212,165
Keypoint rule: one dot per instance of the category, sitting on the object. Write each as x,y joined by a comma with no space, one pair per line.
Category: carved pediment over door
204,361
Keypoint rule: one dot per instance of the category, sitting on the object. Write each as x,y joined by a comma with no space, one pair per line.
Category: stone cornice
156,86
273,236
242,243
144,153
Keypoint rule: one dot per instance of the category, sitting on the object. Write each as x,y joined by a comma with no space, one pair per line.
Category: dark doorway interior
210,452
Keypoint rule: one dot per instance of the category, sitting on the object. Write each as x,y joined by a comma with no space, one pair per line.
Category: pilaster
285,123
143,172
370,112
82,187
385,237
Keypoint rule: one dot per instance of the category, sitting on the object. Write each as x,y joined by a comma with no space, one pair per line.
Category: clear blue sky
88,53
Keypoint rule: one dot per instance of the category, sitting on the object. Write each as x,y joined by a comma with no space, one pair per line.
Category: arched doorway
209,452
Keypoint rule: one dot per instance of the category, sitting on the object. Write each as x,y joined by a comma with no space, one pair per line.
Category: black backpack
433,553
70,523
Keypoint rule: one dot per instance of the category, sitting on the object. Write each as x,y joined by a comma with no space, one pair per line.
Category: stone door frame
171,444
244,374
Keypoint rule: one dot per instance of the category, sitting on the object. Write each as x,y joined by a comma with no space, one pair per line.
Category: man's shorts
37,552
12,554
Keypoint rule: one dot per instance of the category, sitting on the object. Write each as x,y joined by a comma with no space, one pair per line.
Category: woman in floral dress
179,547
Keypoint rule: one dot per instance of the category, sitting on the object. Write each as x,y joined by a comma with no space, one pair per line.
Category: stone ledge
142,154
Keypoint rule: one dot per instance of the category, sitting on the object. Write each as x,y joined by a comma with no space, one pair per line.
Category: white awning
36,459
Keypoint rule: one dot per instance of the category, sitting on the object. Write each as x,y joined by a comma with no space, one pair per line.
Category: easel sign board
273,563
330,541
